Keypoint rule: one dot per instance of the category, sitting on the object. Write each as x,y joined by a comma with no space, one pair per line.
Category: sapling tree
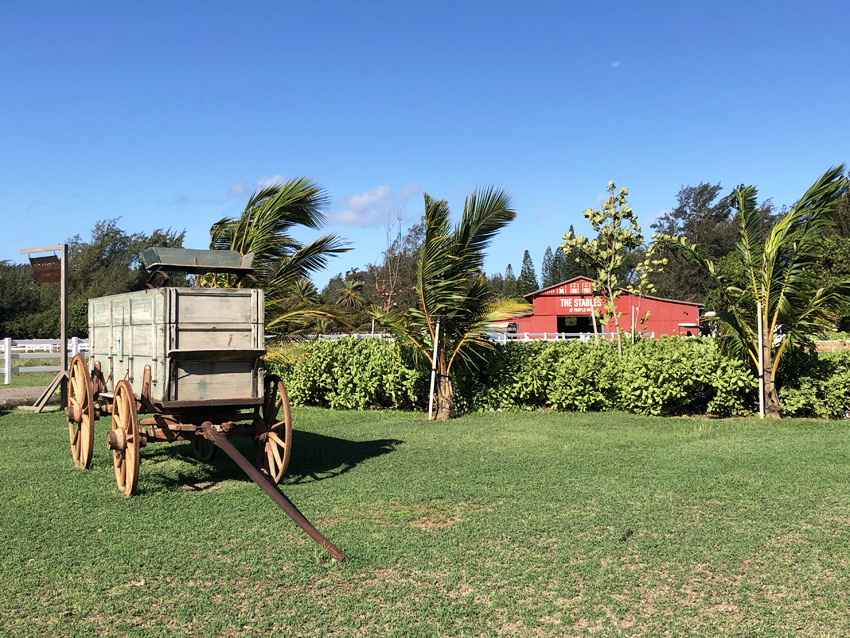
618,234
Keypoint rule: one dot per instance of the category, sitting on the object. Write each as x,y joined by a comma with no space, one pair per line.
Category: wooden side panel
216,319
130,331
127,333
214,380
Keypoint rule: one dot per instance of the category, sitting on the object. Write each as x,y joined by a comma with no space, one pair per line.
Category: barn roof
534,294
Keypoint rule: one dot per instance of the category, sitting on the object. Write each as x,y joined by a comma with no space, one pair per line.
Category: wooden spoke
273,441
80,412
124,440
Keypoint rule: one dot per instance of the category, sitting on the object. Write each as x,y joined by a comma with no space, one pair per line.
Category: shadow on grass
315,457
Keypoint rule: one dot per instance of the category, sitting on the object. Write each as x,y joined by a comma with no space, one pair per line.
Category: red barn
566,307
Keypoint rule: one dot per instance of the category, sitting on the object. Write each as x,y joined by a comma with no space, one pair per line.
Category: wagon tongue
215,434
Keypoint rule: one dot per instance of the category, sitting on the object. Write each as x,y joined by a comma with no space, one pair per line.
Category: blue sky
169,114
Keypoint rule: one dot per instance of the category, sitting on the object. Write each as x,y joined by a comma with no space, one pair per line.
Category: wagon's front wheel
80,412
273,441
123,439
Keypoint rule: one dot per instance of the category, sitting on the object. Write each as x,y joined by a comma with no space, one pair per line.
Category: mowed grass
489,525
29,380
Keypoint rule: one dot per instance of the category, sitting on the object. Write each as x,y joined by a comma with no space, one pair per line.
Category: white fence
36,349
504,337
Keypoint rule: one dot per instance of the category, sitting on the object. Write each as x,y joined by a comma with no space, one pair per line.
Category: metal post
761,360
7,360
433,372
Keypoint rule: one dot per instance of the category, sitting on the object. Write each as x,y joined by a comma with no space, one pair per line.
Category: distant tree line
106,264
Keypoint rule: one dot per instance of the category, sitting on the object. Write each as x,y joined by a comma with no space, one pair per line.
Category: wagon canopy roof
197,261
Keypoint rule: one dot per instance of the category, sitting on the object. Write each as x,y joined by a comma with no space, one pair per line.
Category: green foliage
281,263
821,389
453,290
671,375
509,288
653,377
527,280
780,271
354,374
618,235
107,264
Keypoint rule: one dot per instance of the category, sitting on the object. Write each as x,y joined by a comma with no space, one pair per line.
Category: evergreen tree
527,281
509,288
547,276
559,267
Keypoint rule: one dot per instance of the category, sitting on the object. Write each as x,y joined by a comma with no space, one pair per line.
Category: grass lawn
499,524
29,380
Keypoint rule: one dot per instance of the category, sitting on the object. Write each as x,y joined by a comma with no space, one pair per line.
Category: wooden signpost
48,269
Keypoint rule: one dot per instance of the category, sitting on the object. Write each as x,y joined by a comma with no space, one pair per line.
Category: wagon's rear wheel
123,439
273,442
80,412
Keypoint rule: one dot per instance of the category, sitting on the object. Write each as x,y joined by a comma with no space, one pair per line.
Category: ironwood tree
106,264
527,280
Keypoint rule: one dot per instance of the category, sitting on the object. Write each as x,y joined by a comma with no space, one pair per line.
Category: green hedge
352,374
654,376
821,387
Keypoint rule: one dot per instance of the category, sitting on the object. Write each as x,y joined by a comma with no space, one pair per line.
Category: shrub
672,375
820,389
654,376
352,374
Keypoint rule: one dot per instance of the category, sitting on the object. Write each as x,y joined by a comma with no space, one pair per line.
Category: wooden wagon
191,358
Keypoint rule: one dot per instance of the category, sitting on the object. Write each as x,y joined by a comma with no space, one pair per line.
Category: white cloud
409,191
245,188
369,209
615,64
265,182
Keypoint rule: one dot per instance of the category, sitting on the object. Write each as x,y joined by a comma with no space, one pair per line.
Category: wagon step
217,436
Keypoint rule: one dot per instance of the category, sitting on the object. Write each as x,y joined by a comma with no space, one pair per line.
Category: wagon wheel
203,449
123,440
80,412
273,442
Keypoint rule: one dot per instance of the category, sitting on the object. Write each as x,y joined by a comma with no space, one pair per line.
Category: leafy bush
353,374
673,376
654,376
820,389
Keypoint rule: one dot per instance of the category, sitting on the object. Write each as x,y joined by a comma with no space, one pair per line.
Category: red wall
574,298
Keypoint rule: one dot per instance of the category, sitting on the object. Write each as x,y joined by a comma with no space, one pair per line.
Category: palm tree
453,290
350,295
280,261
779,265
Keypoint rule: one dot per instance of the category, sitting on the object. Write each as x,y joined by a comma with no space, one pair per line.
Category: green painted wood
196,261
223,327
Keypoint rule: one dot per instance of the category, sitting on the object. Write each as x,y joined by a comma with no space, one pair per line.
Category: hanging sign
46,269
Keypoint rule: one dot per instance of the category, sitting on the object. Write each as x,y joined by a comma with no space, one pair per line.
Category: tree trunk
771,396
445,398
445,394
